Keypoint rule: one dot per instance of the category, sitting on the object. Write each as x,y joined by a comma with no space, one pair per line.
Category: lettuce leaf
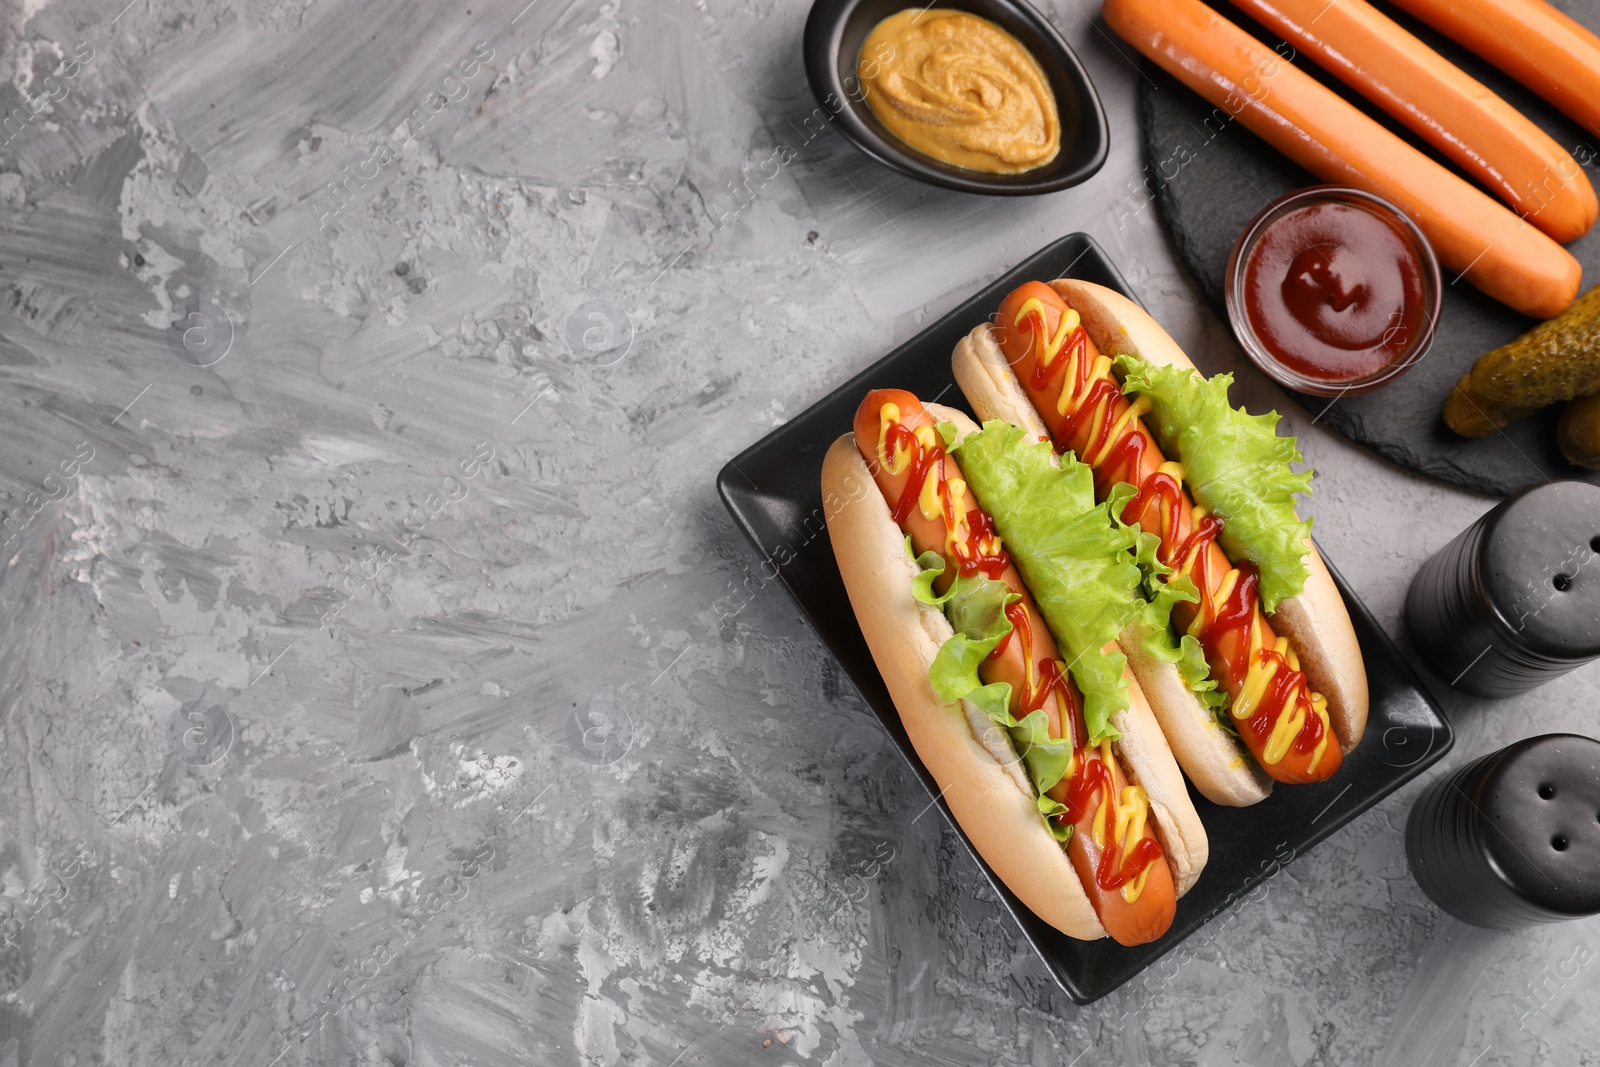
1196,674
930,566
1052,810
976,609
1235,465
1156,585
1077,560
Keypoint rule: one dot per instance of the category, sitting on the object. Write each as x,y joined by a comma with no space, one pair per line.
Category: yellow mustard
960,89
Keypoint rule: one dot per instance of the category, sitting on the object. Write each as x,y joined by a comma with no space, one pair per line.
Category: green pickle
1557,360
1578,432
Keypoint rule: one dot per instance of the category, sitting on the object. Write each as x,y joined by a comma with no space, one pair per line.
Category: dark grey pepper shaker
1513,838
1514,601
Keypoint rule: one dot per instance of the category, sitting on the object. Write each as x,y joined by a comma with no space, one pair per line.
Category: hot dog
1457,114
1542,48
1133,841
1295,686
1499,253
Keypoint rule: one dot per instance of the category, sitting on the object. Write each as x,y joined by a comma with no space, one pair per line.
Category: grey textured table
382,681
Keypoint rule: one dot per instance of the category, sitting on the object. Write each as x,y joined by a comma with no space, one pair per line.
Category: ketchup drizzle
1076,344
1092,777
1101,393
1113,870
980,528
1312,732
1051,680
1116,868
1201,535
970,556
1163,488
1112,875
921,460
1129,454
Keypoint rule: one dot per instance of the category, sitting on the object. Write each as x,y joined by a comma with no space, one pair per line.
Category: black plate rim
821,44
1441,736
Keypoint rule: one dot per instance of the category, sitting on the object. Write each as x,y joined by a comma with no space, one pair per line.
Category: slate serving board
1228,176
773,491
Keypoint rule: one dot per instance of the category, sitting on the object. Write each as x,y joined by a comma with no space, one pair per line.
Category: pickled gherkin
1556,360
1578,432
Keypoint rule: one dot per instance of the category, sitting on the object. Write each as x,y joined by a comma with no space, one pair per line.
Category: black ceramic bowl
834,33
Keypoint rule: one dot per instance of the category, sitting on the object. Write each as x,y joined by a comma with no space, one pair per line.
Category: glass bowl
1290,377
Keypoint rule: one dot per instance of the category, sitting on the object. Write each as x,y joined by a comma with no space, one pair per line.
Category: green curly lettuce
1196,674
1235,465
930,566
1161,589
1076,558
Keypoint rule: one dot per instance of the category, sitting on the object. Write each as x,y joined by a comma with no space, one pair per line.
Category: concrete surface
370,690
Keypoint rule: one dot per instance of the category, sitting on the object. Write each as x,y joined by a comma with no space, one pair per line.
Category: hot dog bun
970,758
1315,621
994,805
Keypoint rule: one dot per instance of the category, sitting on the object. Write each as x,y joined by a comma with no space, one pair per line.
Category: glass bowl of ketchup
1332,290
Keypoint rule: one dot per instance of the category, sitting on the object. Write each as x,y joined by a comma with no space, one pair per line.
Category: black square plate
774,491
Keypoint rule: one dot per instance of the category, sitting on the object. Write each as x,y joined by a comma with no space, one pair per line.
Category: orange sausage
1133,456
1029,654
1539,46
1486,137
1474,237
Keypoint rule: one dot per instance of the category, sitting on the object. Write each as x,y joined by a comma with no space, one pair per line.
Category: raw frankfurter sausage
1499,253
1460,116
1539,46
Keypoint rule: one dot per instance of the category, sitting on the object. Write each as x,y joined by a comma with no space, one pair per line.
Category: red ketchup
1334,291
